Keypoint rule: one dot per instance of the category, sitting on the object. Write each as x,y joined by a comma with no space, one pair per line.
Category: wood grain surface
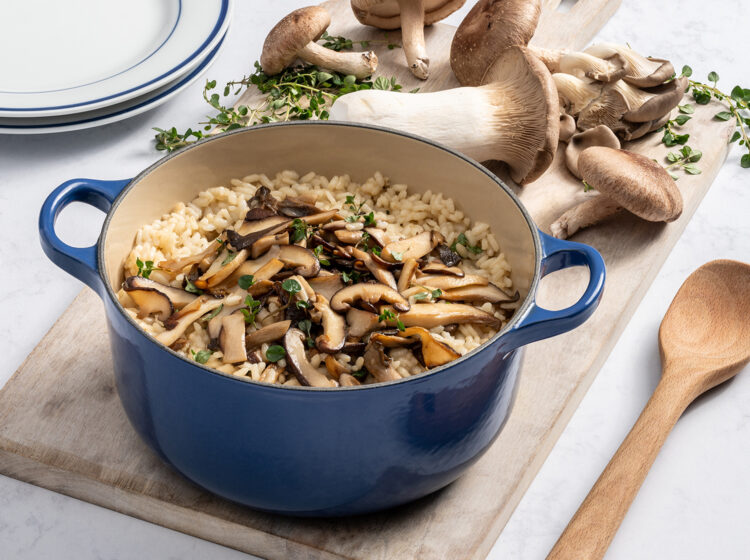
696,357
62,427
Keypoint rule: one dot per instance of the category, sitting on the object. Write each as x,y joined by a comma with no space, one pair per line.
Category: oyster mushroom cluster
334,282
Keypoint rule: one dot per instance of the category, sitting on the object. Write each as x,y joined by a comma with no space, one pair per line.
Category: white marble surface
694,504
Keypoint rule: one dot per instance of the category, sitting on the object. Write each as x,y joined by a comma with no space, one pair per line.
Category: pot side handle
80,262
540,323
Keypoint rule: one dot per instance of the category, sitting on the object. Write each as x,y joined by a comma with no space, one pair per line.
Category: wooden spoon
704,340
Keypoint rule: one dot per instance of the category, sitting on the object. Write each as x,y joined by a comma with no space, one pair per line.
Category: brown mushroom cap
367,292
489,28
297,362
633,181
662,100
386,14
290,35
597,136
642,71
530,109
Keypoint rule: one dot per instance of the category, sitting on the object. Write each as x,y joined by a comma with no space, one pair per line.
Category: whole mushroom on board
513,118
411,16
294,37
597,136
625,181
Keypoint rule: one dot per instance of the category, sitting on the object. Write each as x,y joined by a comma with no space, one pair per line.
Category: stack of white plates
72,64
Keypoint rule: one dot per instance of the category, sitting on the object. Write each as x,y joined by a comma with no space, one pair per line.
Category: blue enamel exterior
305,451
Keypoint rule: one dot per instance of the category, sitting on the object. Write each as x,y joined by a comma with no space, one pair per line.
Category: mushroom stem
485,122
550,57
587,213
412,37
357,64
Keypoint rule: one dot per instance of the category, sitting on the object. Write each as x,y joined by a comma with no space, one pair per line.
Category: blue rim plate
111,114
77,57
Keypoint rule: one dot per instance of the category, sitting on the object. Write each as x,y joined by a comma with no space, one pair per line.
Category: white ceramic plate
63,57
98,117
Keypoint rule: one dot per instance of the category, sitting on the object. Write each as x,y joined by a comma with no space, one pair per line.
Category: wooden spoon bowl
704,340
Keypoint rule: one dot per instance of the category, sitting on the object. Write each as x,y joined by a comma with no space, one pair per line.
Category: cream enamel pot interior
301,450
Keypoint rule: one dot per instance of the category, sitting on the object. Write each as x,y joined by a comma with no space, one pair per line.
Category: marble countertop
694,503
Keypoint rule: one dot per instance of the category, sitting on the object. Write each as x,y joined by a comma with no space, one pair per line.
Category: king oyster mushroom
480,294
232,339
269,333
429,315
451,282
411,16
367,292
297,362
379,364
513,118
326,285
178,322
625,180
295,37
334,327
378,271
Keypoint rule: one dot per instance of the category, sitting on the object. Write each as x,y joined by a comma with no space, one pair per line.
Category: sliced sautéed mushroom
305,292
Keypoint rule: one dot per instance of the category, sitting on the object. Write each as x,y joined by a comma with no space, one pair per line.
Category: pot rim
512,323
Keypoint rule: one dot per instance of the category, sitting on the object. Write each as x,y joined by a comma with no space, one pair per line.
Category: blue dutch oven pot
311,451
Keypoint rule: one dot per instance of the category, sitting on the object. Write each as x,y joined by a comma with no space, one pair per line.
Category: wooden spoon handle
592,528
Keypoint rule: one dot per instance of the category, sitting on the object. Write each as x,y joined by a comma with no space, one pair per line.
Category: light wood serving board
62,426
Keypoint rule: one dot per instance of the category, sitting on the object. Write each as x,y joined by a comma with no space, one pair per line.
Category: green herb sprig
685,158
202,356
339,43
738,105
463,240
275,353
388,315
145,268
300,93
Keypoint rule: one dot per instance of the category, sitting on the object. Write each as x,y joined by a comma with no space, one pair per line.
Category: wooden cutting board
62,426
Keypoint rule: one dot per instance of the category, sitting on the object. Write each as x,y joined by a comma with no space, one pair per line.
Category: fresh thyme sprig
685,159
738,104
339,43
300,93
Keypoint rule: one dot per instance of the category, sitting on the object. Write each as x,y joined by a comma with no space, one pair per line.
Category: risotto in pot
316,281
